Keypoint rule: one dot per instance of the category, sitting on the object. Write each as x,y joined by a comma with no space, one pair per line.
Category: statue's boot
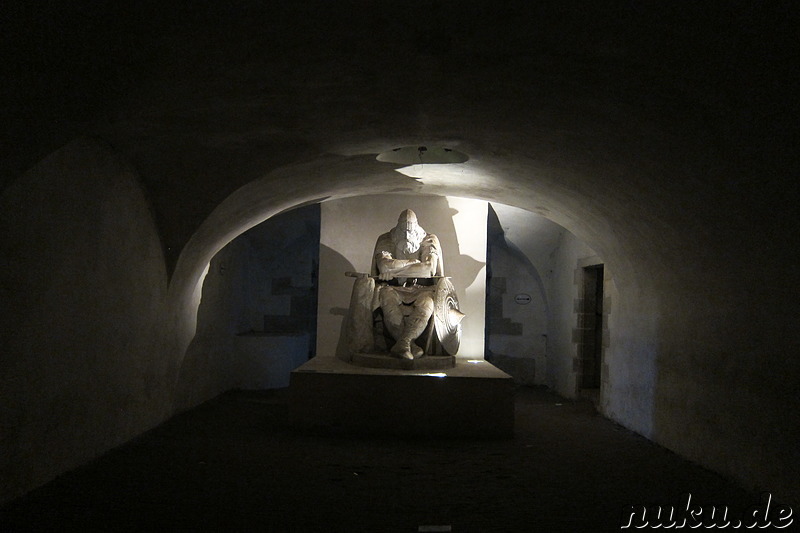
402,349
416,351
405,347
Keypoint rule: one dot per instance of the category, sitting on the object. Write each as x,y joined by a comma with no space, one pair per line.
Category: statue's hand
399,267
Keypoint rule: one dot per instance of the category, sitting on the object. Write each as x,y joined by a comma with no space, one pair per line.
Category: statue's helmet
407,219
407,228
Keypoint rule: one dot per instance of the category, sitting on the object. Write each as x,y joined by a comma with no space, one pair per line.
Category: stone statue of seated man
405,281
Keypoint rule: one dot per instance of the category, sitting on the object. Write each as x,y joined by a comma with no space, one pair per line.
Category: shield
447,317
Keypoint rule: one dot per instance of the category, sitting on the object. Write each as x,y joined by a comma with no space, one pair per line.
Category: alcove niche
276,296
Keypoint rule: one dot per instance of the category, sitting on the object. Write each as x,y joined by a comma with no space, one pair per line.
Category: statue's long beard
406,248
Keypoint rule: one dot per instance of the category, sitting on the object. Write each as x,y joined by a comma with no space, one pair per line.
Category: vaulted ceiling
593,114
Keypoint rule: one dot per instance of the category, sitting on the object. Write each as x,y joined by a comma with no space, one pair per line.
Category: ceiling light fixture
422,155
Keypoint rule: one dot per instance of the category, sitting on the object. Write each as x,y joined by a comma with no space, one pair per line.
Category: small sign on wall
522,299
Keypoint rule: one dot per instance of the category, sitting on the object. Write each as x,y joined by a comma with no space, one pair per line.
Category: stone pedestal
428,362
472,399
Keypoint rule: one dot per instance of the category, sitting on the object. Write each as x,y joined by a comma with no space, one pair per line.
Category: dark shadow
496,322
495,237
260,289
336,262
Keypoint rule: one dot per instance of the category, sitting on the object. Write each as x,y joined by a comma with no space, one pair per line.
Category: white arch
337,177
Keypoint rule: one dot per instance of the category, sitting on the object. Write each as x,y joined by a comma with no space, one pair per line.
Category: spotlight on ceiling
422,155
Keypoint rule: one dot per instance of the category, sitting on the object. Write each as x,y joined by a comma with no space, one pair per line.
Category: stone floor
232,464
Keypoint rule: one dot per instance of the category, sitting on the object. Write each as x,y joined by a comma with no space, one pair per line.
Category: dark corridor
232,464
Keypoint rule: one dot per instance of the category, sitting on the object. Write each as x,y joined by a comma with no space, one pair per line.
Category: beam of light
466,174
